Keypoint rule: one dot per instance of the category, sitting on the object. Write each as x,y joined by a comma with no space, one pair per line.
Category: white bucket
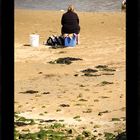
34,40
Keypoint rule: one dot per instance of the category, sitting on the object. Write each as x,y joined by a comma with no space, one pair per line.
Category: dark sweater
70,23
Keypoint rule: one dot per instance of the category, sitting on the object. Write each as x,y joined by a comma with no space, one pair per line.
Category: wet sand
102,42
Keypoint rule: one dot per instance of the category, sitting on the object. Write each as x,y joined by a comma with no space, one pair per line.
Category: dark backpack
59,40
55,40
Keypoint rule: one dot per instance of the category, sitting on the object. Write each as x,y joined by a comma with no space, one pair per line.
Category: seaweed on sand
89,70
101,66
105,68
21,121
109,69
65,60
86,133
121,136
109,136
30,91
101,113
89,74
65,105
48,121
105,83
43,134
87,111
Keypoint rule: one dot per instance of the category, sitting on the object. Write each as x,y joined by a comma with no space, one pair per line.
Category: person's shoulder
65,13
75,14
72,13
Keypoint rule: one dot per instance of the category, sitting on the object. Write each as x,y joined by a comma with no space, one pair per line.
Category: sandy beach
63,92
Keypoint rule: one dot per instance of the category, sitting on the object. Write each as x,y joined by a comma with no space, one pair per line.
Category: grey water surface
80,5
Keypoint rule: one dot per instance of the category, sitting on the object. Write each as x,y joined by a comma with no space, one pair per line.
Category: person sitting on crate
70,23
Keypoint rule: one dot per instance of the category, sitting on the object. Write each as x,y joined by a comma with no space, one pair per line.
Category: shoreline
62,10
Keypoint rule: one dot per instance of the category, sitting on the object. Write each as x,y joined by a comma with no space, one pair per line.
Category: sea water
80,5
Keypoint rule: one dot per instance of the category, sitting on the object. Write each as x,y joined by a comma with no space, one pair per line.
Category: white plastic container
34,40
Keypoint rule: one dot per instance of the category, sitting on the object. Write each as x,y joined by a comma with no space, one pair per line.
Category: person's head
70,8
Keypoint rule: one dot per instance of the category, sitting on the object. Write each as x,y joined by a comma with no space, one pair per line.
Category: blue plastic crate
70,41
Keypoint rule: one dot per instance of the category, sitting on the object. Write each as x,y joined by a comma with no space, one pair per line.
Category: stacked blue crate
70,41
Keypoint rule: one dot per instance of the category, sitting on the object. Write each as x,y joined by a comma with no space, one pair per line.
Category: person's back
70,22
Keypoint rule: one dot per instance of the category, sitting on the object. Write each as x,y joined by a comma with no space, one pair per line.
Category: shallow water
80,5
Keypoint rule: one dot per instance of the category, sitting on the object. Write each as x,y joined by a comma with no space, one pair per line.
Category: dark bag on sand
55,40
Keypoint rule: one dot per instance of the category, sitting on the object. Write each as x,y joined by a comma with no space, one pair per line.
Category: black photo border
133,70
7,70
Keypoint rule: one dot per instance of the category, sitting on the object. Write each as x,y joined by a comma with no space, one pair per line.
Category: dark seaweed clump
105,83
101,113
43,135
121,136
101,66
65,105
51,120
30,91
65,60
105,68
109,136
21,121
89,74
89,70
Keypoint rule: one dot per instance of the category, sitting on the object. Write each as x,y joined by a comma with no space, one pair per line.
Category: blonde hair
70,8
